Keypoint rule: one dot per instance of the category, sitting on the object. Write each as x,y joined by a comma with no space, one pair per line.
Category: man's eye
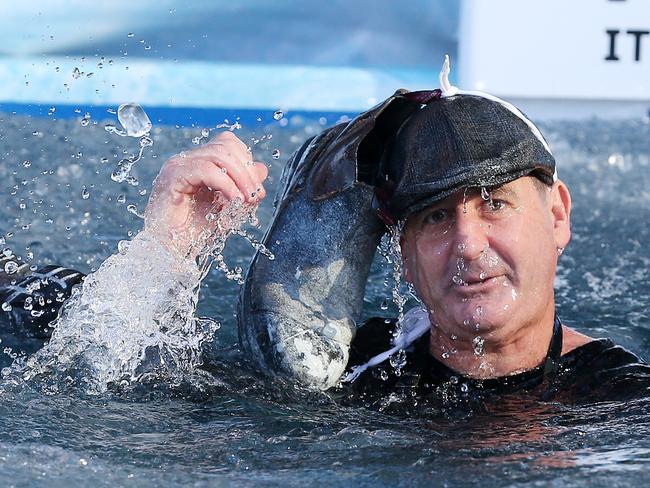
435,217
495,205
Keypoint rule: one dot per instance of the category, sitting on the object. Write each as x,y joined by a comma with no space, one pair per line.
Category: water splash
132,321
134,120
228,126
478,344
390,249
135,123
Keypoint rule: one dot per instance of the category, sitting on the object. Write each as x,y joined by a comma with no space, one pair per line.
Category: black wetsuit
29,303
599,370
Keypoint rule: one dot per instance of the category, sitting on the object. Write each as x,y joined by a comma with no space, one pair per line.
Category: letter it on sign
612,45
637,42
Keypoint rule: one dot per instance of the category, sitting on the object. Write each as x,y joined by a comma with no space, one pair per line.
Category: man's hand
194,184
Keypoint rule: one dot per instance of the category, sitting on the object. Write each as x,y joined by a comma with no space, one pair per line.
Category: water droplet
134,120
485,194
146,142
131,208
111,129
51,110
384,304
119,175
482,275
616,159
130,34
464,388
11,267
6,307
76,73
27,163
478,342
457,280
278,114
445,355
276,154
383,374
85,194
205,132
121,198
398,360
123,246
85,120
132,180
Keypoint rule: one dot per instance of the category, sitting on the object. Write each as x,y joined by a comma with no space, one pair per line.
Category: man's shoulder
603,370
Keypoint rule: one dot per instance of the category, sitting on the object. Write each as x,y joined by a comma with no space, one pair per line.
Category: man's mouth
471,284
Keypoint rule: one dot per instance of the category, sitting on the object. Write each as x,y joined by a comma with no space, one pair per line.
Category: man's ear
561,214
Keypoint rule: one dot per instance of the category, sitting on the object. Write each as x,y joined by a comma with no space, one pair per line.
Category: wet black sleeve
34,299
373,337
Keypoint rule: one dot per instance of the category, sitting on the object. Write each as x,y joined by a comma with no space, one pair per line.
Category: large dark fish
298,312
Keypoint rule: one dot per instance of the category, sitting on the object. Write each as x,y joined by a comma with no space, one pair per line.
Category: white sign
550,49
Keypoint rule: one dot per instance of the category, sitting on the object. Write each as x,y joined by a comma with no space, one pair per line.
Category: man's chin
481,313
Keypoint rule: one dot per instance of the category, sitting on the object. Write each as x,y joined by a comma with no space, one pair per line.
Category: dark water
243,432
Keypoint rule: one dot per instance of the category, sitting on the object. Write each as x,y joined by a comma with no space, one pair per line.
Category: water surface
242,431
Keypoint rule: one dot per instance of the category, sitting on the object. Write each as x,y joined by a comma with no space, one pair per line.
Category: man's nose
470,235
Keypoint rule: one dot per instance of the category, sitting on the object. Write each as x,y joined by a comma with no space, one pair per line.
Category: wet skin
484,266
198,182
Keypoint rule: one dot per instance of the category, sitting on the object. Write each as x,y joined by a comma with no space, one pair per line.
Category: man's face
484,262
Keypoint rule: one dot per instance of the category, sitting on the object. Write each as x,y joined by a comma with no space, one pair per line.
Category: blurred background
252,56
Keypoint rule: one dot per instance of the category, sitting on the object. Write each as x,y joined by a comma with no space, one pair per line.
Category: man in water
484,222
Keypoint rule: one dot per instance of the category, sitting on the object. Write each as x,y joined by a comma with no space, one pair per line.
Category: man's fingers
261,171
236,161
205,173
228,137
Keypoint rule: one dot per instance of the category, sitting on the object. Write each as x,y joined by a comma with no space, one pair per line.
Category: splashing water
134,119
132,321
390,249
135,123
478,343
124,166
228,126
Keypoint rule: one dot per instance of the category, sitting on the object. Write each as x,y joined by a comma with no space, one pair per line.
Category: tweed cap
461,141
